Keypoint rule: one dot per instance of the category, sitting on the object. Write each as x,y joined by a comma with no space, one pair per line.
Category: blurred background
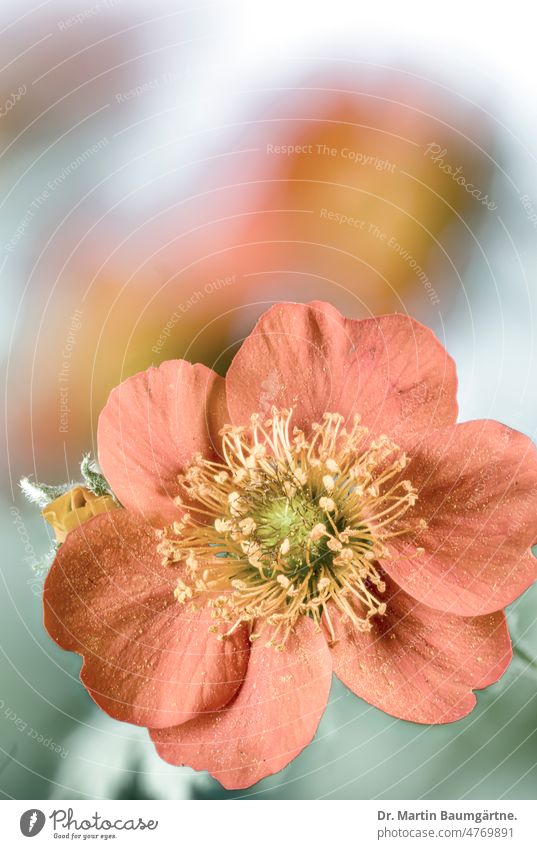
167,171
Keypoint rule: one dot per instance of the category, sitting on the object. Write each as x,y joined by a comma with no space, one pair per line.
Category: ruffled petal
391,370
273,717
147,660
151,427
417,663
477,489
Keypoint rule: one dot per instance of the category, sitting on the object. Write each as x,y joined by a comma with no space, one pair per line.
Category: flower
318,510
75,507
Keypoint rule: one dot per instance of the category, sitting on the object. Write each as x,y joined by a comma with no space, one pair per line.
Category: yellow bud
75,507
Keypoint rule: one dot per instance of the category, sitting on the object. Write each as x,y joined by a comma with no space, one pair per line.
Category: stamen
290,525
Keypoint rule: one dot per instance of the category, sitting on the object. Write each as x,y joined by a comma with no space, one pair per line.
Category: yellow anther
284,547
247,526
329,483
332,466
289,489
317,532
327,504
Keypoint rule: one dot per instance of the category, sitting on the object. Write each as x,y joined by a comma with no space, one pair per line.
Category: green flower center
291,519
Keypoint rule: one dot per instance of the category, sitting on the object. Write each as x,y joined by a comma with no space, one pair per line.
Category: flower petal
420,664
273,717
477,489
146,659
152,425
391,370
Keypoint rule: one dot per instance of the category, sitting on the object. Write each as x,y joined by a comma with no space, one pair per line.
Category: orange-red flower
317,511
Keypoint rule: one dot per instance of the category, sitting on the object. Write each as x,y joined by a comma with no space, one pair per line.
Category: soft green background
487,325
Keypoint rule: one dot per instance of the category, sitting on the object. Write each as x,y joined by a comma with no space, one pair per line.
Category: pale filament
289,525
